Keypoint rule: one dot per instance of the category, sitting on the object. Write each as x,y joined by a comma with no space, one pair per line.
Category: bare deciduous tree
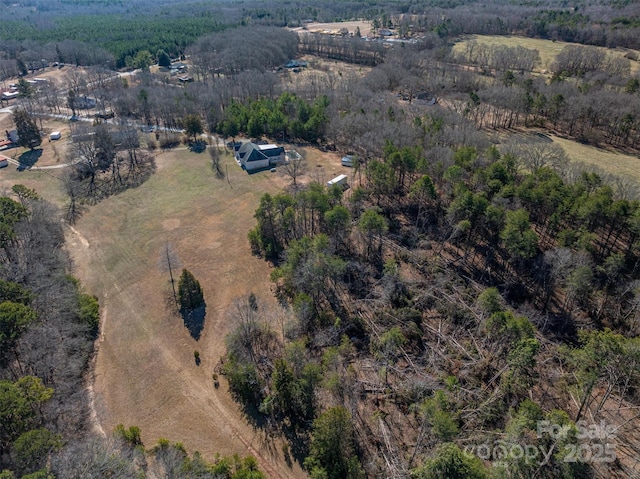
294,169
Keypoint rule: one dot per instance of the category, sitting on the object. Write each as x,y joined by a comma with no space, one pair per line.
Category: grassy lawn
548,49
46,183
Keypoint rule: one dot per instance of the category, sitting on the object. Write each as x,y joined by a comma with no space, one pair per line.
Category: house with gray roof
254,157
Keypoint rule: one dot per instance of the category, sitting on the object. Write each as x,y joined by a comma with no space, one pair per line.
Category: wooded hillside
468,307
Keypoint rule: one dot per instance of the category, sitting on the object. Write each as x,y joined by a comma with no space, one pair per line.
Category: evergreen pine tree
190,295
28,131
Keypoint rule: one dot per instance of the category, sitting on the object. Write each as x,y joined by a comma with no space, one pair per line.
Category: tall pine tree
190,295
28,132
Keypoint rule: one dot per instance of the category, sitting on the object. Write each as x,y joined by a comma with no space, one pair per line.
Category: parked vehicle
104,115
347,160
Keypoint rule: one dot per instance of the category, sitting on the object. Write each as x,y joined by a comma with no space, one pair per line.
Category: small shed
340,180
56,135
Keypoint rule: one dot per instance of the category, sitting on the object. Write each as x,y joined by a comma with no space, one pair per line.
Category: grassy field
548,49
144,373
613,162
335,27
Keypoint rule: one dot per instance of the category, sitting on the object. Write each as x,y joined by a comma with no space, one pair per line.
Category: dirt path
144,373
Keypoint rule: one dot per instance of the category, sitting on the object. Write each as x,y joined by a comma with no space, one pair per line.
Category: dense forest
470,286
102,33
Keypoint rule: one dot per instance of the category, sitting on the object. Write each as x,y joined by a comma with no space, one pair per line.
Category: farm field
548,49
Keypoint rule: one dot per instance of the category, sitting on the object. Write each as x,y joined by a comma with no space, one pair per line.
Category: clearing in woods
611,161
548,49
145,373
335,27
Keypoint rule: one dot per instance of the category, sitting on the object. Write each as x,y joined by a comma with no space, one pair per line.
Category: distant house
85,102
255,157
425,96
295,64
105,114
10,95
179,67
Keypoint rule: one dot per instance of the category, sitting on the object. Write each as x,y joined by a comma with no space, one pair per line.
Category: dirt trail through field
145,374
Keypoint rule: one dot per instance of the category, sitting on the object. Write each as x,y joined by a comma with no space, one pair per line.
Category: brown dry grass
611,161
548,49
145,373
335,27
55,74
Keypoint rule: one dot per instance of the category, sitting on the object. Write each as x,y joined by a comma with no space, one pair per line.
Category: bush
90,312
131,436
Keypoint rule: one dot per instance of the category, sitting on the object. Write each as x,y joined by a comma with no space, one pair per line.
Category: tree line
47,327
100,33
103,39
238,50
287,117
591,97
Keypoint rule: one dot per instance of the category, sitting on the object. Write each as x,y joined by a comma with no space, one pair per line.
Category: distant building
340,180
13,137
255,157
179,67
295,64
10,95
85,102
